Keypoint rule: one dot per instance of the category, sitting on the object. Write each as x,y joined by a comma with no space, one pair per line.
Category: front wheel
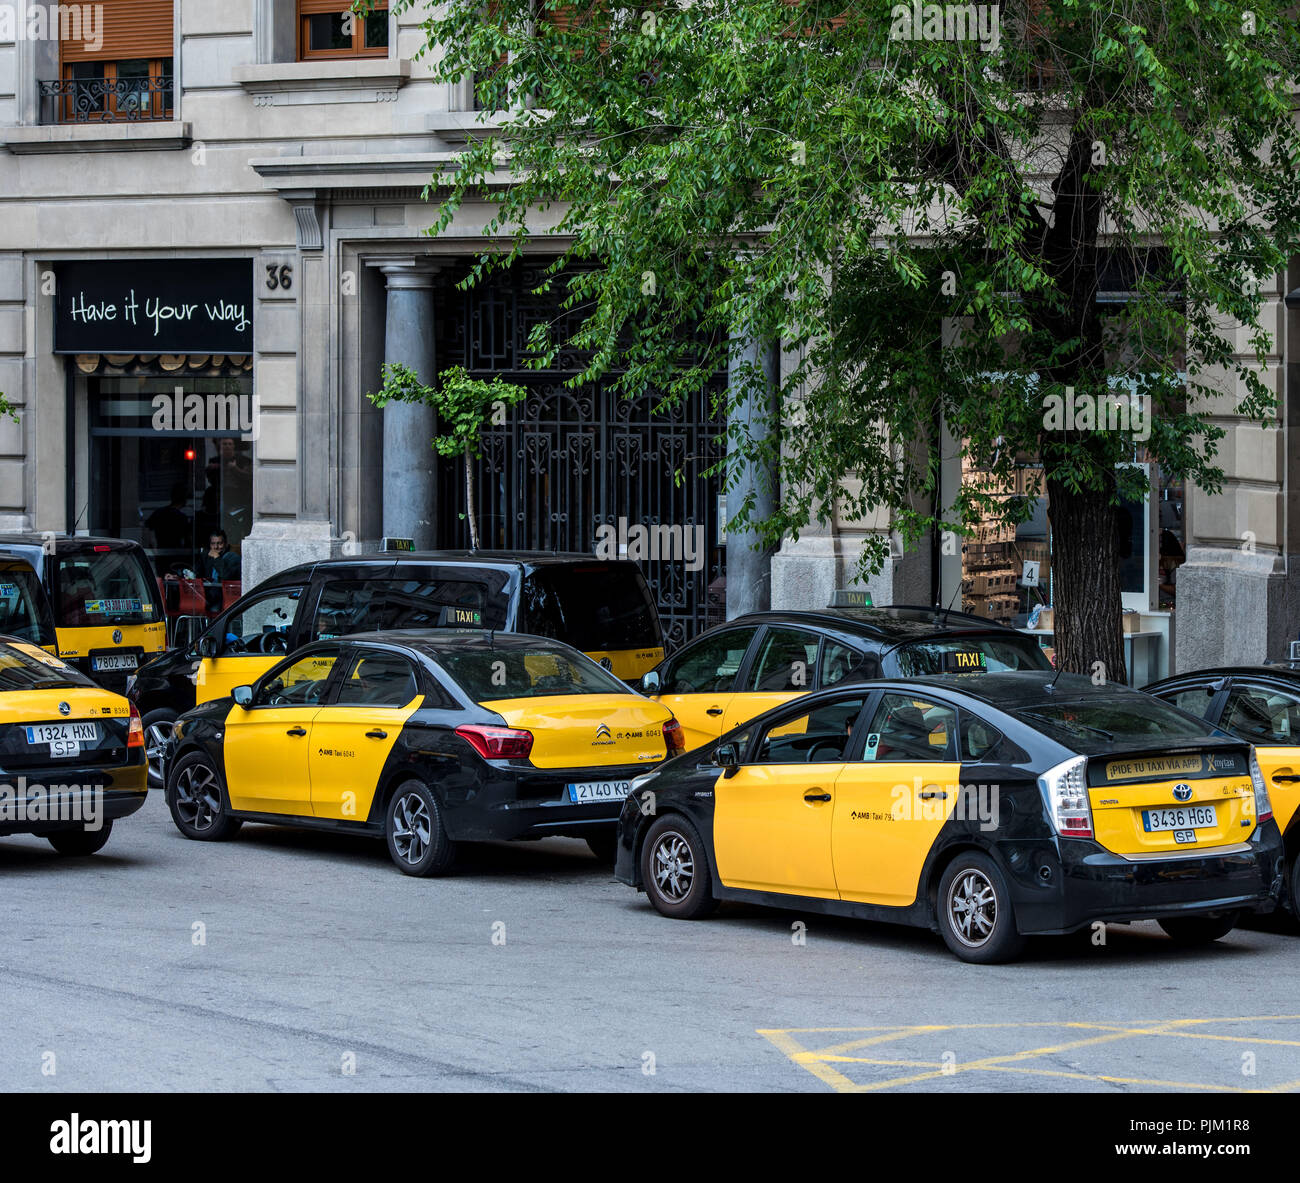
976,917
1294,880
675,870
1199,930
417,838
197,800
157,734
604,845
75,843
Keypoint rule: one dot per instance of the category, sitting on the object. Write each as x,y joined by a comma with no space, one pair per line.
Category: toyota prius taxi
987,807
427,738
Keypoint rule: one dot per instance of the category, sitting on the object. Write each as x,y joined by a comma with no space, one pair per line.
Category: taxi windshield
29,668
1094,727
956,655
96,587
24,610
487,674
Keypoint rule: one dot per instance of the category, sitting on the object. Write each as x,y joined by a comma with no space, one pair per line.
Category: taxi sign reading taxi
397,544
843,597
957,661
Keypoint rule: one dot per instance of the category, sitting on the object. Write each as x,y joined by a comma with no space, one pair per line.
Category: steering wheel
273,643
834,749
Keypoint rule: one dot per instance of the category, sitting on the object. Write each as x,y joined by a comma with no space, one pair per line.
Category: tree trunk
471,510
1085,577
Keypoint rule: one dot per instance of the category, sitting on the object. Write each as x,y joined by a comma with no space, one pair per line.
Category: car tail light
1065,791
1263,806
135,730
674,737
497,743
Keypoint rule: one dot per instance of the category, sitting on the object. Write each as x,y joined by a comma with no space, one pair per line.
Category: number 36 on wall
279,276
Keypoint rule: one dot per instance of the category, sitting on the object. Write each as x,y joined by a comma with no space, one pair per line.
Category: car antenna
948,609
1060,669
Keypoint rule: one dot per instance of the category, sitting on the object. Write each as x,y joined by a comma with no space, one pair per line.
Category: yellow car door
773,813
891,804
247,642
1270,719
698,681
352,738
267,743
784,666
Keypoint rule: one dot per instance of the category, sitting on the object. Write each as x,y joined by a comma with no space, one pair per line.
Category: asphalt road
294,961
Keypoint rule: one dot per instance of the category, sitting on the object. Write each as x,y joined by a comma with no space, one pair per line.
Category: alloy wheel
198,797
411,827
156,738
673,866
972,908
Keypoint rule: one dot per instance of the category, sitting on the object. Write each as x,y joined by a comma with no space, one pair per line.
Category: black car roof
498,560
891,625
1278,673
39,540
434,641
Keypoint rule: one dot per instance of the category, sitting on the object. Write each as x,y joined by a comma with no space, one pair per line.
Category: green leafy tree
464,405
924,220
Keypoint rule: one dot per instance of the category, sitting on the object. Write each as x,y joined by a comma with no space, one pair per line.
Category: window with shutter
331,29
126,74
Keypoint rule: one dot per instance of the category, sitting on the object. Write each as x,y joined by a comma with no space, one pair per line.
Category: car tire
604,845
196,796
1199,930
157,730
675,870
78,843
1293,882
417,837
976,917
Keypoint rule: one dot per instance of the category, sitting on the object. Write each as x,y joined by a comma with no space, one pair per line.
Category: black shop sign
154,306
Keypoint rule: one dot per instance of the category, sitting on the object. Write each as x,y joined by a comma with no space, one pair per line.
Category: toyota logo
1182,792
64,709
117,636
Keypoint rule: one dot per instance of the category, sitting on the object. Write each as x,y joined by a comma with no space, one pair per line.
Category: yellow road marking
819,1061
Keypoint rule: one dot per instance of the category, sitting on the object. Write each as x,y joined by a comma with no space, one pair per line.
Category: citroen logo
1182,792
117,636
602,732
64,709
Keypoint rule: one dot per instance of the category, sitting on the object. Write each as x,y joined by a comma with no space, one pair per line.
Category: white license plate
65,739
115,661
598,791
1187,817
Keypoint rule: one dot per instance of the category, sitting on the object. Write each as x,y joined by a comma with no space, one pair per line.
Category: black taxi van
602,607
102,601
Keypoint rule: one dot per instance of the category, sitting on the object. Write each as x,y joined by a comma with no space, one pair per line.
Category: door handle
376,734
296,731
714,711
927,794
1285,778
814,795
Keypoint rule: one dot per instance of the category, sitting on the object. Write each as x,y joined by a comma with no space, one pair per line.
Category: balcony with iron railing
114,93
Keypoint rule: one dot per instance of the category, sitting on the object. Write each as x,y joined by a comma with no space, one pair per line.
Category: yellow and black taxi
1260,704
989,807
603,608
108,616
72,756
740,669
426,738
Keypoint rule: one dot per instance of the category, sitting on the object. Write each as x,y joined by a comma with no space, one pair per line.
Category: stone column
754,368
408,429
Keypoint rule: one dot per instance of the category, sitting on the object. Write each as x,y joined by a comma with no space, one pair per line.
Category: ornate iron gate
569,460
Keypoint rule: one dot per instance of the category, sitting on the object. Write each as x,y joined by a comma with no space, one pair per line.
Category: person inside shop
219,564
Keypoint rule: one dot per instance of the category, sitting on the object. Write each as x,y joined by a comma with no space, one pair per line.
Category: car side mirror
650,682
243,695
727,757
208,646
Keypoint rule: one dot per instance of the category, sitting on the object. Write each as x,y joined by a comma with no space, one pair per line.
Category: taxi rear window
487,674
24,668
970,655
98,587
1094,727
24,611
593,607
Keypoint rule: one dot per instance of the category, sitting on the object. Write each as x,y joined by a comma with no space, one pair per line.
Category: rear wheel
976,917
417,838
157,733
1199,930
197,800
1294,880
675,870
74,843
